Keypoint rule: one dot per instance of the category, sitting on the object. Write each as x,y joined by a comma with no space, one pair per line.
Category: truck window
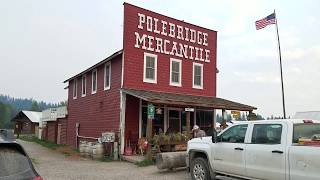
306,131
235,134
266,134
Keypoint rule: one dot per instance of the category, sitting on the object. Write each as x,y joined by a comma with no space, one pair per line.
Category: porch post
188,124
149,129
140,118
149,136
224,119
122,121
214,118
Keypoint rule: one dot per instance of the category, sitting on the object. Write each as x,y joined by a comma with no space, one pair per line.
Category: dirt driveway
52,165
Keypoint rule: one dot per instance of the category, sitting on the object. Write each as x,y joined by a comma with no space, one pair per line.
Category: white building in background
51,115
307,115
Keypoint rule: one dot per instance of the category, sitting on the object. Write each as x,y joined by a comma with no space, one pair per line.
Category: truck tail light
38,178
307,121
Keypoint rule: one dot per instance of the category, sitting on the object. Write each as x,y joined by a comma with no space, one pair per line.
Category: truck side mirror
214,137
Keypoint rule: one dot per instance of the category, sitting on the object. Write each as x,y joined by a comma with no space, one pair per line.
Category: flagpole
283,103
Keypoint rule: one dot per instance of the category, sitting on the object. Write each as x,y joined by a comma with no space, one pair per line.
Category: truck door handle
277,151
238,148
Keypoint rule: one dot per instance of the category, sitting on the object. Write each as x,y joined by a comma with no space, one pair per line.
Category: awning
187,100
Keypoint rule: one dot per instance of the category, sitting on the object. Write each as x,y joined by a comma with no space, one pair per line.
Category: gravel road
52,165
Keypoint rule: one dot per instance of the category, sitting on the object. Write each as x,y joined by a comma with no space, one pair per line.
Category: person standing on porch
212,130
197,132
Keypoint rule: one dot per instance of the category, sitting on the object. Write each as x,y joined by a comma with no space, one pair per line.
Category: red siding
63,135
134,58
52,131
132,119
26,126
98,112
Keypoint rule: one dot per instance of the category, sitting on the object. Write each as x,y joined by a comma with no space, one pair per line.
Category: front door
265,155
174,120
229,151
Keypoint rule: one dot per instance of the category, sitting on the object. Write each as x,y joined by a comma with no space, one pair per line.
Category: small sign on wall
189,109
151,111
108,137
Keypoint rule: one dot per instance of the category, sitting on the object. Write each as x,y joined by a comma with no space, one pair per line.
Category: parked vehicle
15,164
268,149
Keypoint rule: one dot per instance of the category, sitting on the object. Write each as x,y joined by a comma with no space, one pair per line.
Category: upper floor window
235,134
94,81
74,91
197,76
266,134
150,68
107,75
175,72
84,86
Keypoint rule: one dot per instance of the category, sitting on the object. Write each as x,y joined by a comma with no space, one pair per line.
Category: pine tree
35,106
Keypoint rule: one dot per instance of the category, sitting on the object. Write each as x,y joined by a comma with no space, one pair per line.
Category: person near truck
197,132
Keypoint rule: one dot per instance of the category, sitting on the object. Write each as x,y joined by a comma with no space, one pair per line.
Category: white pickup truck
268,149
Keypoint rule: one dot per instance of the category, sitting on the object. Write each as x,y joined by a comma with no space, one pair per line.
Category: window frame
105,73
96,87
85,84
75,89
195,86
178,84
147,80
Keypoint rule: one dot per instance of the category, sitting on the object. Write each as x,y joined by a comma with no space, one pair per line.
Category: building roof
188,100
307,115
33,116
96,65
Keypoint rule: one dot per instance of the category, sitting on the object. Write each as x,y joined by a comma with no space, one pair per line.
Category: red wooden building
27,122
164,61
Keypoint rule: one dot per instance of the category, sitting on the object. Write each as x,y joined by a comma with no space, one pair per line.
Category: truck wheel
199,169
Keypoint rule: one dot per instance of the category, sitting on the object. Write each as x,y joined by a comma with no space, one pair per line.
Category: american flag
271,19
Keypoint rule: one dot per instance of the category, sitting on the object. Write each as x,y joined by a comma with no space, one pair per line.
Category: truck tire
199,169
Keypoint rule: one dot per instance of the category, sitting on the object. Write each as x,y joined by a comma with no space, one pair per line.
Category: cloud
257,77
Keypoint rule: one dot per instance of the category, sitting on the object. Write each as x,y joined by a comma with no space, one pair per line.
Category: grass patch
34,161
66,153
76,150
44,143
145,162
105,159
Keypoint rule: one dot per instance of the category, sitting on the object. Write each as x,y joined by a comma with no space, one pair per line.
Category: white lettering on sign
171,47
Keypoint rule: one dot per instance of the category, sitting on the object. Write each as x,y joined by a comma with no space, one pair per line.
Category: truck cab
268,149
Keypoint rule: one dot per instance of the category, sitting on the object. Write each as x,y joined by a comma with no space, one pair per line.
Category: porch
174,117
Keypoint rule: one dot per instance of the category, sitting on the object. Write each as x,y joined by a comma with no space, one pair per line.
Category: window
266,134
204,119
150,68
75,89
157,122
235,134
94,81
305,131
107,76
175,72
84,86
197,76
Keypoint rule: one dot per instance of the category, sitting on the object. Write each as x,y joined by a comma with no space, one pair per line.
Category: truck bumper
188,163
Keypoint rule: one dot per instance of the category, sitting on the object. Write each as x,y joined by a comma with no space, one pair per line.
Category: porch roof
187,100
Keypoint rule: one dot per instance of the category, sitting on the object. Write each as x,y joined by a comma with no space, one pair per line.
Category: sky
43,43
